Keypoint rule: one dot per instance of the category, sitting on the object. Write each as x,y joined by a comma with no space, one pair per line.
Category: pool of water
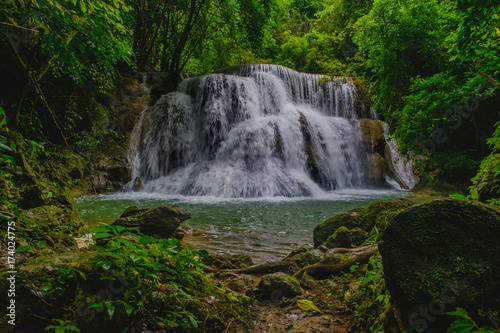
265,228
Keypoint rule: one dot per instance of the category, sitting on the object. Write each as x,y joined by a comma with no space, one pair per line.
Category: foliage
370,301
466,324
62,326
486,184
159,267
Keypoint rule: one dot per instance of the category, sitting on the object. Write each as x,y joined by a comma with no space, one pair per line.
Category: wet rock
377,169
273,287
160,222
442,255
137,185
372,132
229,261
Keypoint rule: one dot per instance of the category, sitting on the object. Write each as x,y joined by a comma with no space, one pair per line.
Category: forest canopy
432,66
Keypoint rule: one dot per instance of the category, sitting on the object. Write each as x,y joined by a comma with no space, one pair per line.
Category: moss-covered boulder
273,287
344,237
442,255
350,220
341,238
160,222
378,214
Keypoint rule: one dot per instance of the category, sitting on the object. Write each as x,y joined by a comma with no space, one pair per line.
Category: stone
377,214
229,261
377,169
159,222
441,255
372,132
241,283
351,219
341,238
273,287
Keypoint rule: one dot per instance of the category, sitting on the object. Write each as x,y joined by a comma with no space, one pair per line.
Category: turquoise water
266,229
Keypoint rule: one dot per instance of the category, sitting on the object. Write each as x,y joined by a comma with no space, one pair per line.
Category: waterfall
252,131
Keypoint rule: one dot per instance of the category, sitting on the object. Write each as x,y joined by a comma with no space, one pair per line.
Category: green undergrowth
158,284
370,301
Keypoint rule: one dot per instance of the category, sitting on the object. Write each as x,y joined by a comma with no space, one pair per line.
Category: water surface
265,228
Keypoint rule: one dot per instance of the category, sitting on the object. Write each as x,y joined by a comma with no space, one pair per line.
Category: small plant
62,326
459,196
466,324
371,299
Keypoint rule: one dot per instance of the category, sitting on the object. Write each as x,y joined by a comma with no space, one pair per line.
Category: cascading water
252,131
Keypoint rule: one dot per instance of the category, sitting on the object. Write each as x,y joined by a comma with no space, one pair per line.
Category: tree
81,40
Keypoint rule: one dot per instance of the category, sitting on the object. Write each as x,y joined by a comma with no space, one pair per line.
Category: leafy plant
371,299
62,326
466,324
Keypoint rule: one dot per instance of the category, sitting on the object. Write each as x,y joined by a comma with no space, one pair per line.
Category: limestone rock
160,222
442,255
377,168
372,132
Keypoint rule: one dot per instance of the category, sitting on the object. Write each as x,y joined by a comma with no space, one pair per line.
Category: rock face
442,255
275,286
377,214
160,222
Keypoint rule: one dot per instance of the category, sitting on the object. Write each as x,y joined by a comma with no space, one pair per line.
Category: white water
254,131
402,166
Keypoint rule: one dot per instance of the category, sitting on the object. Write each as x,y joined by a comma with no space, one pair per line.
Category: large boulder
350,220
442,255
378,214
160,222
272,287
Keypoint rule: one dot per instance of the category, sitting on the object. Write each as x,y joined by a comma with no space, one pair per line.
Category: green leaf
119,228
96,230
461,326
306,305
459,312
129,308
488,329
111,309
458,196
146,240
23,248
102,235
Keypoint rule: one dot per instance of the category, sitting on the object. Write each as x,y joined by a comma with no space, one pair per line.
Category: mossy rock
350,220
229,261
160,222
33,274
344,237
435,187
446,250
273,287
341,238
380,213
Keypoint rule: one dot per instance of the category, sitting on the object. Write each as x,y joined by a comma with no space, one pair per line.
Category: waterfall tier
252,131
